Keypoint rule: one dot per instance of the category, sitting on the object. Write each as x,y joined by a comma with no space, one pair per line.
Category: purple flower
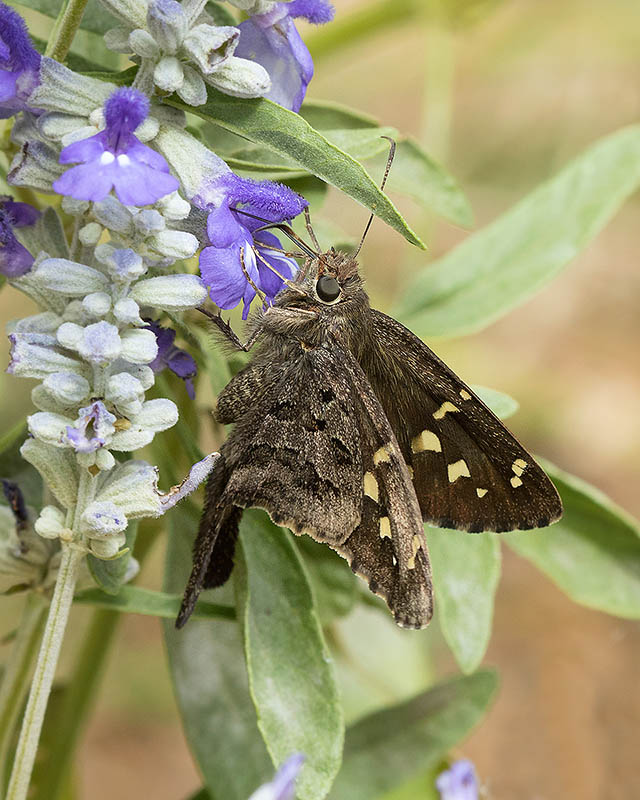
115,158
459,782
92,429
282,787
172,357
230,232
15,259
19,63
272,40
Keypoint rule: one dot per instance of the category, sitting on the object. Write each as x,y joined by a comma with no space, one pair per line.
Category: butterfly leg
310,231
228,331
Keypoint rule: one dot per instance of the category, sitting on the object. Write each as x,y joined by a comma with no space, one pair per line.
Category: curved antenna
286,229
392,152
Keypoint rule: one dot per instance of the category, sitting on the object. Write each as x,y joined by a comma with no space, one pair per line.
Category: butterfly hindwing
469,472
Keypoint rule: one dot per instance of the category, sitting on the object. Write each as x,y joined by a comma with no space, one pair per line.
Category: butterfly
349,429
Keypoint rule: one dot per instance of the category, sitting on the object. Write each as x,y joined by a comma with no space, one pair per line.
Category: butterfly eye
327,289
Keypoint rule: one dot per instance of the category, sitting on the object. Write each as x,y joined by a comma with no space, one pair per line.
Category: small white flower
100,343
68,388
103,519
50,523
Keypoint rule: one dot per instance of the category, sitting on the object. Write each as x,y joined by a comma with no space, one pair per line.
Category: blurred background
504,93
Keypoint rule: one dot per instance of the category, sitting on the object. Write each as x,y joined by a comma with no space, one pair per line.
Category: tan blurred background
533,82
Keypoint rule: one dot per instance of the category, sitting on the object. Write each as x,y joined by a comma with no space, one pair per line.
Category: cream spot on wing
458,469
382,454
464,394
427,440
371,486
515,482
410,471
416,544
446,406
394,560
481,492
519,462
385,527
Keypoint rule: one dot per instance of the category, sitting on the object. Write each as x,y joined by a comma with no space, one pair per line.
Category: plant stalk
45,672
15,681
64,29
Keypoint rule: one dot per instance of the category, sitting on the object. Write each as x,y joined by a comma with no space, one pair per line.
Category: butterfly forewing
469,472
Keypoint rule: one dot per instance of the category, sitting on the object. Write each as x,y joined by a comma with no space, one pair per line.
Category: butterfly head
328,281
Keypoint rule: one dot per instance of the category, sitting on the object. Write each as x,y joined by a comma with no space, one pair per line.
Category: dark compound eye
327,289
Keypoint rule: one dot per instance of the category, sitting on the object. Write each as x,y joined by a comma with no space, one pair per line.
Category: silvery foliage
180,48
88,346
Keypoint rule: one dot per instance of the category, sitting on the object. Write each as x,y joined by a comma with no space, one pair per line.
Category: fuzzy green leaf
466,572
285,132
386,748
505,263
290,670
208,668
334,586
136,600
592,553
110,574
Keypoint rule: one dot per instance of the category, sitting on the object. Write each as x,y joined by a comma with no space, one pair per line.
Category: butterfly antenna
392,152
310,231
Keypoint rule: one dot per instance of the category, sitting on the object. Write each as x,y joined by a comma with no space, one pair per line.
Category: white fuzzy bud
127,312
100,343
170,292
69,335
90,234
69,278
174,244
50,523
139,346
157,415
50,428
173,207
97,304
107,548
104,460
167,23
240,77
102,519
67,388
168,74
113,215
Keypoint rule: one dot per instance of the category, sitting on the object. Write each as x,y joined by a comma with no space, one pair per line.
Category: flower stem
15,681
64,29
44,674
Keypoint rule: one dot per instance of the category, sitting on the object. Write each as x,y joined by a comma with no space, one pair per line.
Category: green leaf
136,600
208,669
335,587
466,572
502,405
502,265
416,174
325,115
386,748
267,123
290,669
95,18
110,574
592,553
15,468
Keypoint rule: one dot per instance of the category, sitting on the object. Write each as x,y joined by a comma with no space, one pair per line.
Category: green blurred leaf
291,674
15,468
386,748
416,174
95,18
39,787
136,600
502,405
325,115
335,587
207,665
466,572
423,786
592,553
267,123
110,575
502,265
